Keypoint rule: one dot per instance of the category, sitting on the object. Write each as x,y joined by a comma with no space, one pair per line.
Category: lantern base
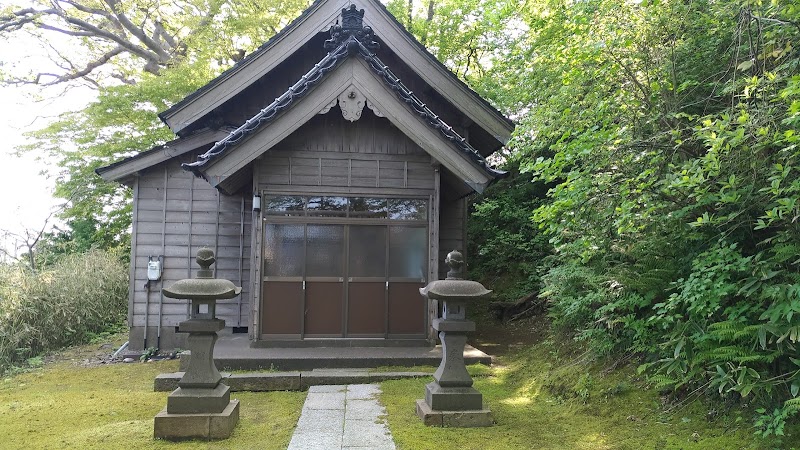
176,427
455,419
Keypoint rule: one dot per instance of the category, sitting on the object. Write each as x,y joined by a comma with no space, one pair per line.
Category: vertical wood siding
331,152
197,215
451,231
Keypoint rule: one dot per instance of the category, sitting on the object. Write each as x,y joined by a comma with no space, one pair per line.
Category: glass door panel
408,255
325,251
282,288
324,280
366,299
284,248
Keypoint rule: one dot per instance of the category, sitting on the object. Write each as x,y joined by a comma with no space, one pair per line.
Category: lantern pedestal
201,406
450,400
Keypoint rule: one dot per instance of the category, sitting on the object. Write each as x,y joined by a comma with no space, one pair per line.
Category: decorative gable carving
351,101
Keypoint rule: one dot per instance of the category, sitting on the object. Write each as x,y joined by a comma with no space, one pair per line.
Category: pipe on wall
161,257
241,263
190,259
146,309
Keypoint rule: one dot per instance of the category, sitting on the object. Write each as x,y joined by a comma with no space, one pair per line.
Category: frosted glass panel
325,256
283,250
408,252
367,251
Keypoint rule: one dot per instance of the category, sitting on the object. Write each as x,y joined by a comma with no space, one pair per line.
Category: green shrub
66,304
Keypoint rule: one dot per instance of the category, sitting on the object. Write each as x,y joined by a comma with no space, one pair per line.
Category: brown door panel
324,308
366,308
281,310
406,308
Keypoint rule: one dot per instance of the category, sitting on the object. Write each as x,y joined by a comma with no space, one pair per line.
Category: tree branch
89,68
163,56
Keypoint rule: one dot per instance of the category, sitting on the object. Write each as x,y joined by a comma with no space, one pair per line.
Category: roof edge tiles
293,24
346,40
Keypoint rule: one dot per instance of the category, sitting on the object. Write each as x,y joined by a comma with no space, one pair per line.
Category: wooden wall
195,215
452,222
331,154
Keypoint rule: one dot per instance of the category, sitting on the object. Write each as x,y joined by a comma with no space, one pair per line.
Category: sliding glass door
344,267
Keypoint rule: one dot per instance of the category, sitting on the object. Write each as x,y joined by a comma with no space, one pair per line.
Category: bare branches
110,30
26,240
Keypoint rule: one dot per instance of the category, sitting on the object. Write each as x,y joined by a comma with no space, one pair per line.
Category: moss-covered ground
68,405
544,392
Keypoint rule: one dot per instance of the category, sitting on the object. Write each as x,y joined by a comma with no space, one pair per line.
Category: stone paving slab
363,410
322,420
366,434
342,417
325,400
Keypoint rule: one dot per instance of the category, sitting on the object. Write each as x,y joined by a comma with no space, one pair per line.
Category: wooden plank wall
330,154
197,215
451,231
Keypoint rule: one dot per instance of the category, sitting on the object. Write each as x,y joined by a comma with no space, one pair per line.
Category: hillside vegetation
656,154
654,194
63,304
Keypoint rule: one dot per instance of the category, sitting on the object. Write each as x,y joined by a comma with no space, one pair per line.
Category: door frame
432,206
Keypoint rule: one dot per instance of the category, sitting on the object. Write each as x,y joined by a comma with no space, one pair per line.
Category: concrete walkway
342,417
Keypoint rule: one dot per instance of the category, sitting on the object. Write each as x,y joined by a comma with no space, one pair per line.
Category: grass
543,400
64,405
543,392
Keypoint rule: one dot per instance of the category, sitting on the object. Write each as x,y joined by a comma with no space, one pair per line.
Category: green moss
542,397
109,407
542,402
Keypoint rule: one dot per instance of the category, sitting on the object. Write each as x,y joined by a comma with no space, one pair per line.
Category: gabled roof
122,170
317,18
349,39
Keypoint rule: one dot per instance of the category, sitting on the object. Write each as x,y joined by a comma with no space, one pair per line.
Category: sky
26,198
26,195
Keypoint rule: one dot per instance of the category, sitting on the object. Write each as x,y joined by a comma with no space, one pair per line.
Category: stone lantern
201,406
450,400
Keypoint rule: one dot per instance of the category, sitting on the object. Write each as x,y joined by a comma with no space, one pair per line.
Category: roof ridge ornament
352,25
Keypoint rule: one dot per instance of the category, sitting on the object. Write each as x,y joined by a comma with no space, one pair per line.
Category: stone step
290,381
231,354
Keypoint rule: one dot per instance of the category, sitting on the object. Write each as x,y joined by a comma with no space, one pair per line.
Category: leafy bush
66,304
504,243
671,151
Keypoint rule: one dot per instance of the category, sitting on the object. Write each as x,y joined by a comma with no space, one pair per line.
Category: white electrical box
154,270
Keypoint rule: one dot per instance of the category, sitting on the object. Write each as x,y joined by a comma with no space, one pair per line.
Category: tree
91,39
160,52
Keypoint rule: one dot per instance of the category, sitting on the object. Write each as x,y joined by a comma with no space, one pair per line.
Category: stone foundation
176,427
456,419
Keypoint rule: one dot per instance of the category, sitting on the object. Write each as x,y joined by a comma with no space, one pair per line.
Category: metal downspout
161,257
241,263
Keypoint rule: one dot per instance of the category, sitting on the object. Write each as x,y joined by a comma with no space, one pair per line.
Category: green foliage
502,240
123,121
148,353
67,303
672,148
667,134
